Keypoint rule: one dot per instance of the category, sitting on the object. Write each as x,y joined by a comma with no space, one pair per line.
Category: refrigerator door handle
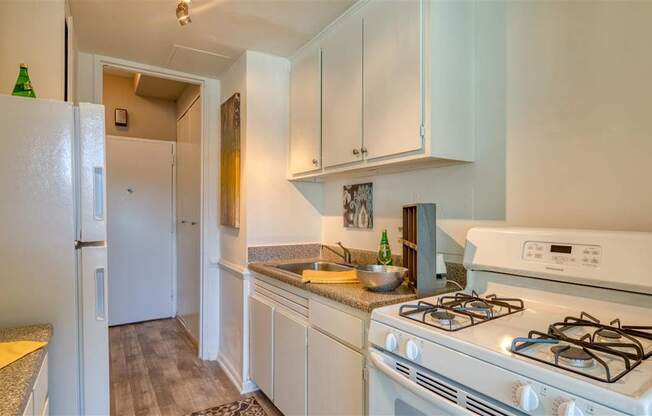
98,193
100,304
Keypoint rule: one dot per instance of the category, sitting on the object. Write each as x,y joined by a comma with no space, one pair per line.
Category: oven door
392,392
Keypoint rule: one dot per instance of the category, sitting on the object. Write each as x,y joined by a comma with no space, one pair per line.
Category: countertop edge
268,269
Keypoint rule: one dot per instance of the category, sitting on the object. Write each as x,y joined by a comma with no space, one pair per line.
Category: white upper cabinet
392,87
342,93
398,84
305,111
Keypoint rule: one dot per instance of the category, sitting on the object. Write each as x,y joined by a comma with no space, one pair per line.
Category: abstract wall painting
358,206
230,163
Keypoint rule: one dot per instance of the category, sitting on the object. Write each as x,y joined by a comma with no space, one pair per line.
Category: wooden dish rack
420,248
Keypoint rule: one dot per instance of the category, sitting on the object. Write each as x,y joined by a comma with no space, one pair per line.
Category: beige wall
149,118
32,32
233,243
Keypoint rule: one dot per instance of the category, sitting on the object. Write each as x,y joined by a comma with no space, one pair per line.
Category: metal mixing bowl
379,278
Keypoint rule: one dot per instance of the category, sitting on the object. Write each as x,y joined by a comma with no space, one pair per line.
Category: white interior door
140,229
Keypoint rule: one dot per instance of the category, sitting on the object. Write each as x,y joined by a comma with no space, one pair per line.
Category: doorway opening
154,134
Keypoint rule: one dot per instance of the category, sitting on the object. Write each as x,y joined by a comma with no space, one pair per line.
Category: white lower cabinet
261,346
335,377
290,362
29,407
38,403
306,352
278,355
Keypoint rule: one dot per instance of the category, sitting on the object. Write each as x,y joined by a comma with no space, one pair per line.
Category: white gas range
552,322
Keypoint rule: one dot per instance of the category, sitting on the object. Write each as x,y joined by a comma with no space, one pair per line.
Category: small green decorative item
23,86
384,252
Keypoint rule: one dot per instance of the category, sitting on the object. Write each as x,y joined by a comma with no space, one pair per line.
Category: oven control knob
526,398
412,350
569,408
391,343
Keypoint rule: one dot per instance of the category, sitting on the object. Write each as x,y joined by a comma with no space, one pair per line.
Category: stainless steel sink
298,268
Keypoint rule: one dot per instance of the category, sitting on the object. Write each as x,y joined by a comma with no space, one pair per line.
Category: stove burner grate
609,335
459,311
577,355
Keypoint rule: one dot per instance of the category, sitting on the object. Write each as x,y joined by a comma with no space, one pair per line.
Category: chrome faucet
345,255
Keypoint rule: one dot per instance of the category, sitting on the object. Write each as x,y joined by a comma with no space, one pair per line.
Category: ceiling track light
183,12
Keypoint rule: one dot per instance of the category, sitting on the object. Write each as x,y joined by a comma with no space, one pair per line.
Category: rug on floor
244,407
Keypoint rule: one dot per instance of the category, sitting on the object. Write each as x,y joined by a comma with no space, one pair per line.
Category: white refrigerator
52,242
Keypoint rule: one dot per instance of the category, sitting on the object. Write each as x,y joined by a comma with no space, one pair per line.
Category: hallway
155,371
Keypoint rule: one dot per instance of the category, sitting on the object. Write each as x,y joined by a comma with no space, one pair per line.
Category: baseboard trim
183,326
243,387
249,387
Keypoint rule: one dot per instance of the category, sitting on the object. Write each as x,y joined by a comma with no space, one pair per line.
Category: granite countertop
351,294
17,379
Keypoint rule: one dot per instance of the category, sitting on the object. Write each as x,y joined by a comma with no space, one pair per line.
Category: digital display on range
561,249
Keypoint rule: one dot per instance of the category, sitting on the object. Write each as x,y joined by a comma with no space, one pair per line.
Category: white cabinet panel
392,110
290,363
40,391
305,112
342,325
29,407
342,93
261,348
335,380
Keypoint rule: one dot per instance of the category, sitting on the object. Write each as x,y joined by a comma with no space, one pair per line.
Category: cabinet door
305,112
391,78
335,381
342,93
261,349
290,363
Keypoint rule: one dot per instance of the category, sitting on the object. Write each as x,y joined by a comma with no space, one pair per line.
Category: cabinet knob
356,152
363,150
315,162
193,223
183,221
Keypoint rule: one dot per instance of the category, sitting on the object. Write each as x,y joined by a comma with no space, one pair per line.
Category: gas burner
443,317
455,312
573,356
607,335
479,306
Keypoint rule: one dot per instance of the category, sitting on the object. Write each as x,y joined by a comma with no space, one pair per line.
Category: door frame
174,208
209,311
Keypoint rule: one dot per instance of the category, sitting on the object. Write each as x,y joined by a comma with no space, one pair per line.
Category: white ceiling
147,31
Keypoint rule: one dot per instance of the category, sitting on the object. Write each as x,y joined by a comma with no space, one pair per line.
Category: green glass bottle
384,252
23,86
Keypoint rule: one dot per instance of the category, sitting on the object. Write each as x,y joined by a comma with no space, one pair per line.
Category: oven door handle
449,407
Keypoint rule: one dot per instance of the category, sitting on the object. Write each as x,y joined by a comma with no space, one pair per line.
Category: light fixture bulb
183,12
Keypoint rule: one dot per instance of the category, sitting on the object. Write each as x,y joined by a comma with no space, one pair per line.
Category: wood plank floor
155,371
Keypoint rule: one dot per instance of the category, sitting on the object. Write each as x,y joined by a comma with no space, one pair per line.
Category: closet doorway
188,202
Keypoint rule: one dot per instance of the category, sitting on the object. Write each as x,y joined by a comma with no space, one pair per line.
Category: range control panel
562,253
